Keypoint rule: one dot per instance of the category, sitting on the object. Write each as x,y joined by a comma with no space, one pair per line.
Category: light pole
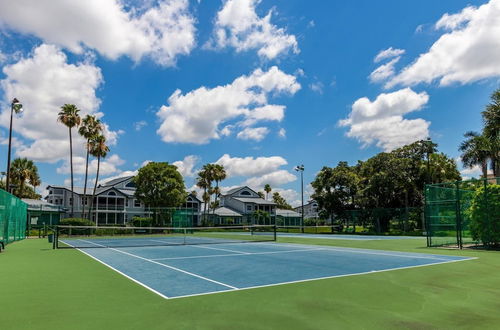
300,168
17,107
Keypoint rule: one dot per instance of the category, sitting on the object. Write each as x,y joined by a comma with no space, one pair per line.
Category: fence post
458,215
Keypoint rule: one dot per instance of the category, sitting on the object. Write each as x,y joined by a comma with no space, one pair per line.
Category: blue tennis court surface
187,270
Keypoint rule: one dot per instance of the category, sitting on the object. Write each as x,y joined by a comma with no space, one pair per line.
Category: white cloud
468,52
253,133
282,133
276,178
44,82
195,116
388,53
381,121
250,166
138,125
384,72
317,87
162,32
108,166
186,166
238,25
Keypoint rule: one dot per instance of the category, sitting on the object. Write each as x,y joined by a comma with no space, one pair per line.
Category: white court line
239,255
323,278
120,272
167,266
219,249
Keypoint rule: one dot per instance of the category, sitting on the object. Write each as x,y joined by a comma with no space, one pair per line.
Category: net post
55,238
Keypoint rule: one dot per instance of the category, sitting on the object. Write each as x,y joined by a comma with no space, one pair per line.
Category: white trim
219,249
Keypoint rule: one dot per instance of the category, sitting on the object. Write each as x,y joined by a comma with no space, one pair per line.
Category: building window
249,207
137,203
245,193
70,201
130,185
111,193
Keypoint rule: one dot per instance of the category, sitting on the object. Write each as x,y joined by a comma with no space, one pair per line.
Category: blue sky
258,86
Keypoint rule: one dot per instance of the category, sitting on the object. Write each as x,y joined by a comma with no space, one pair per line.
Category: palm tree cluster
483,149
24,171
209,174
91,129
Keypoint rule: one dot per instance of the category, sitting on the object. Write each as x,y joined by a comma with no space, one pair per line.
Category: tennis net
113,237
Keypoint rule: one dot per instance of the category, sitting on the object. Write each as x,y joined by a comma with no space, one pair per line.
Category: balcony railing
111,207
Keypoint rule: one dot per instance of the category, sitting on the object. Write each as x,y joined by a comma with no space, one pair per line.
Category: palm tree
219,174
22,170
91,127
70,118
99,149
475,151
491,130
267,189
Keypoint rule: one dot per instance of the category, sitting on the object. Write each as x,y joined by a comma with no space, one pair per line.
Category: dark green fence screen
449,208
12,218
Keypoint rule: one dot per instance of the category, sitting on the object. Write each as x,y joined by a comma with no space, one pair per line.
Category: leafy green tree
267,189
485,215
261,217
491,130
98,149
159,184
218,174
335,189
91,127
70,118
281,202
261,194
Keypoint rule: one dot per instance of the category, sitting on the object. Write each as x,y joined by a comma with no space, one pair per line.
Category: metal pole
302,193
7,184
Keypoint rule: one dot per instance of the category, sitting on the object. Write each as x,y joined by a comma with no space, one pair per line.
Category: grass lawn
43,288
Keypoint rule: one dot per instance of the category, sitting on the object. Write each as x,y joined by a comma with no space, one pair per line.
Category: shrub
142,222
485,215
76,222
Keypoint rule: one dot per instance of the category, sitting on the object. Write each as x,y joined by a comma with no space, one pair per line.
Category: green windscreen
12,218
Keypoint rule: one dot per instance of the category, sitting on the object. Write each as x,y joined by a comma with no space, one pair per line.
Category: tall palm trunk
484,168
71,165
95,188
205,207
215,201
85,184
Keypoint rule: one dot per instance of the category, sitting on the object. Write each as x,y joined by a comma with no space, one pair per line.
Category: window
130,185
111,193
249,207
70,201
245,193
137,203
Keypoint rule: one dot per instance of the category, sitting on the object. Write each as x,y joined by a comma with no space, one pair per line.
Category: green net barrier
12,218
449,210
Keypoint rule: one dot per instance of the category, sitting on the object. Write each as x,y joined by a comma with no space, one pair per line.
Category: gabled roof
235,190
256,200
79,190
287,213
226,212
116,181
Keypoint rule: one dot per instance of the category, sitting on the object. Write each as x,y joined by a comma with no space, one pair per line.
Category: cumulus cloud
381,121
162,32
237,25
195,117
250,166
276,178
388,53
467,52
108,165
43,82
186,166
253,133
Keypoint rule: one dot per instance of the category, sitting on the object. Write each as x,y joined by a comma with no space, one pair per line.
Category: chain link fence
12,218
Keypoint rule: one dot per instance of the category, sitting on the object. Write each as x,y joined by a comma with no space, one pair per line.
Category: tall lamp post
16,107
300,168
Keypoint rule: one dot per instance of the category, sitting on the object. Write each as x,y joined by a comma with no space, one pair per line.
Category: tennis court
183,270
346,236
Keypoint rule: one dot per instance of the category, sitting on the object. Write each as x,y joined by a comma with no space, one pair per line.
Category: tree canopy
281,202
159,184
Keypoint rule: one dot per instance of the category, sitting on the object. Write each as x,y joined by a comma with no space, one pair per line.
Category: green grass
64,289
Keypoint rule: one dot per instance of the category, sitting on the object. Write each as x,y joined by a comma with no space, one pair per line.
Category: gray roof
37,204
128,192
90,190
116,181
226,212
256,200
232,191
287,213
